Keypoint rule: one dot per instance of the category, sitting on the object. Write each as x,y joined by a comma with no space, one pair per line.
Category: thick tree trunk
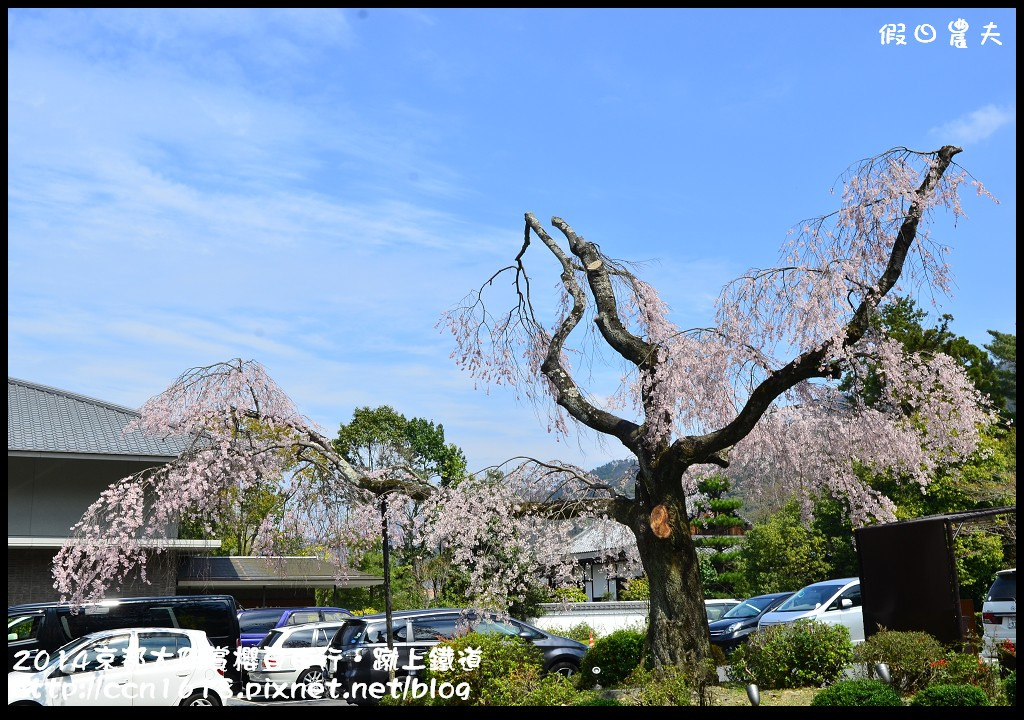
678,631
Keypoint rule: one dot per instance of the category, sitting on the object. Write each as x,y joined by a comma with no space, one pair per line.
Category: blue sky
312,189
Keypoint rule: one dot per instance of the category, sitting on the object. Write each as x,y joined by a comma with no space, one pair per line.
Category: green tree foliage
382,438
716,516
987,478
978,556
782,553
902,320
636,589
238,514
1004,349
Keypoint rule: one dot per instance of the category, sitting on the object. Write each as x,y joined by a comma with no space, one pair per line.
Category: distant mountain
619,474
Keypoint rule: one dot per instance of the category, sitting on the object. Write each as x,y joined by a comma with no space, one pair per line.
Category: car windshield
1004,589
748,608
270,639
259,621
809,598
350,634
63,652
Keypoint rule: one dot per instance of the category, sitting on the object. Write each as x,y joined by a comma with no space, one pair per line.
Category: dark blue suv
734,628
256,623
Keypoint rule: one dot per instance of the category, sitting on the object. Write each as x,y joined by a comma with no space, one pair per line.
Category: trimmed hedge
848,693
951,696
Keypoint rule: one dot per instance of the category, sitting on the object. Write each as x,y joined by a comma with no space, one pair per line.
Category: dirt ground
725,695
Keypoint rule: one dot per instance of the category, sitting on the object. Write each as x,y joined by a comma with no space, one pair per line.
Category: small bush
960,695
554,690
1006,652
636,589
718,656
1010,688
568,595
848,693
957,668
509,667
800,654
909,656
598,700
662,686
581,632
617,655
364,611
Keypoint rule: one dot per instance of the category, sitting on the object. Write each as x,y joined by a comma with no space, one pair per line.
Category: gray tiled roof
270,571
600,536
45,419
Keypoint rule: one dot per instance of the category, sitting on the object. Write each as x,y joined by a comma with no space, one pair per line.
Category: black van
36,627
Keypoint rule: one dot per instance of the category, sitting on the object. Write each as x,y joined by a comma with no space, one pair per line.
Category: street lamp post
386,551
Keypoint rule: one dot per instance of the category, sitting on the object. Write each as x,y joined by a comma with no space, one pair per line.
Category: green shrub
597,700
509,668
800,654
661,686
957,668
554,690
365,611
848,693
636,589
1010,687
909,655
718,656
568,595
616,655
581,632
952,695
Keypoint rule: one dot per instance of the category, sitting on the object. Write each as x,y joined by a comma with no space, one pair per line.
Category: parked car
296,654
999,612
350,656
735,626
717,607
132,667
831,601
45,627
255,623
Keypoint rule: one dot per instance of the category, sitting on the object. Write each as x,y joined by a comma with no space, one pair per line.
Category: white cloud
977,125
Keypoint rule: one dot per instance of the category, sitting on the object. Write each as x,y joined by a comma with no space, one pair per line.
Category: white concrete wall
604,617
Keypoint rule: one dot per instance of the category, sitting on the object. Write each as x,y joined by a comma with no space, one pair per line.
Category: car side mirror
845,603
526,635
11,637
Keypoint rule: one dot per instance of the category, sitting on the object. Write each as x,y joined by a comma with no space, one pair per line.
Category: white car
718,607
293,656
836,602
999,612
123,668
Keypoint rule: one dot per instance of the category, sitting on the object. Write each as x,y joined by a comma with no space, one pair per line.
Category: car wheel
201,698
564,667
312,676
